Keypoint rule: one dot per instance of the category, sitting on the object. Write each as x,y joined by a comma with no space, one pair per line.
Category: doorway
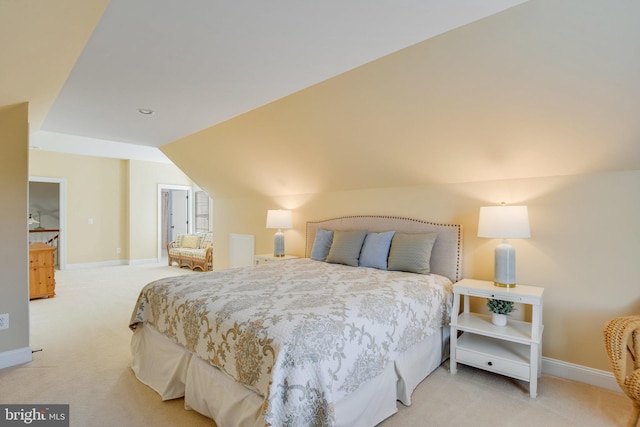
47,215
173,214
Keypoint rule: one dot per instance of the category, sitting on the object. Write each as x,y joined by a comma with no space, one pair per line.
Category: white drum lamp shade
279,219
504,222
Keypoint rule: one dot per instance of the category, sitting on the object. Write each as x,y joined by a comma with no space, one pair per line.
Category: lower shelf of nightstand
495,355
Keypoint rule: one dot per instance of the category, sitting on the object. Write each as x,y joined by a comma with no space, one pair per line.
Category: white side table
266,258
513,350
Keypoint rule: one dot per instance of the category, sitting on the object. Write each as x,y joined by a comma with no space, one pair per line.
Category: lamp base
504,285
505,265
278,244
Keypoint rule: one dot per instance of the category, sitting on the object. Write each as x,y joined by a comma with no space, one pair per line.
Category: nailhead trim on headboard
446,258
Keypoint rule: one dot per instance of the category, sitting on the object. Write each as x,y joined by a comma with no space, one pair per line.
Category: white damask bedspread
301,333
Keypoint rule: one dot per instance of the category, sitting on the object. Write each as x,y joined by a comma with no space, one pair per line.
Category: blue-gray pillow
411,252
375,250
321,244
346,246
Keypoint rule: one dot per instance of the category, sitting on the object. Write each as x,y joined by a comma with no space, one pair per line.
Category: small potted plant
499,310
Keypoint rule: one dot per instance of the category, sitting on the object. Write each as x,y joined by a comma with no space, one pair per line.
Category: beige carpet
84,336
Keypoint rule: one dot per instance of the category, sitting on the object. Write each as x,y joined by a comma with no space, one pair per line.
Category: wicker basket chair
616,339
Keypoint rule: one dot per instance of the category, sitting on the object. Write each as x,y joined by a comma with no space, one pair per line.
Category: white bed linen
171,369
302,333
173,372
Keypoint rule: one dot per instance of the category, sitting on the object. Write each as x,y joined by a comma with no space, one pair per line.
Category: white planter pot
499,319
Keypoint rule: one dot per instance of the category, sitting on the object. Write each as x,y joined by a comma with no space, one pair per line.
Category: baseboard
579,373
144,261
84,265
112,263
15,357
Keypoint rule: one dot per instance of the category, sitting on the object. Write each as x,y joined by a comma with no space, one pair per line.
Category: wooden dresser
42,281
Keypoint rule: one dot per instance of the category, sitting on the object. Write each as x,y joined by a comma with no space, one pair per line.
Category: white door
173,214
179,213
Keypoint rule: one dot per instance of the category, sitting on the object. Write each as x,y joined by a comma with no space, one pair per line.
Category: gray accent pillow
412,252
345,248
375,250
321,244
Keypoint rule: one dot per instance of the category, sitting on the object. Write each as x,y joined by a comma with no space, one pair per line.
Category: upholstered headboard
446,256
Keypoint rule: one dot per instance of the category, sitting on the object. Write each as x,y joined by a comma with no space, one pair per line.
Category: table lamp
279,219
504,222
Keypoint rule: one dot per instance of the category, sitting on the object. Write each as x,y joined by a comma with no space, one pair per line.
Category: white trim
15,357
113,263
143,261
62,202
84,265
189,190
583,374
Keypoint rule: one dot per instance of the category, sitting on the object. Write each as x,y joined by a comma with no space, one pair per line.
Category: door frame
189,191
62,203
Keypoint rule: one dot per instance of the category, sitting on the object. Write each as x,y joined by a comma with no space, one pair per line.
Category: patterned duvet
301,333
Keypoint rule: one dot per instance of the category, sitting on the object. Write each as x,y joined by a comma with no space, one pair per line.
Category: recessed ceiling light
35,147
145,111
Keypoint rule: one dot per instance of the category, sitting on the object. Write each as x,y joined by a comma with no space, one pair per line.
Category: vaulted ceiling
197,63
484,90
546,88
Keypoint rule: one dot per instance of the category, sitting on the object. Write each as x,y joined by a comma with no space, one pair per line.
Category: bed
305,342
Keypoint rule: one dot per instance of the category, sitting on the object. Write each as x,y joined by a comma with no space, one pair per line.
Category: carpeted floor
84,336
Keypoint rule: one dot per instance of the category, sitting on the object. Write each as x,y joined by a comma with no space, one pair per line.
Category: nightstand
513,350
266,258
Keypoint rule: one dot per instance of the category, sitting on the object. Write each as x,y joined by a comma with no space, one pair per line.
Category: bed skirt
174,372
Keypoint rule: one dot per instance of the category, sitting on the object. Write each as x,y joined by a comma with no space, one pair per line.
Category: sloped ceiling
195,63
40,41
547,88
543,88
200,62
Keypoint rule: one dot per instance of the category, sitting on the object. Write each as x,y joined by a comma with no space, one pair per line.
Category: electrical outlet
117,250
4,321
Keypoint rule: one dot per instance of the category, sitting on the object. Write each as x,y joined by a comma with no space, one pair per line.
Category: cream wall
144,178
120,196
534,105
95,192
583,249
14,282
